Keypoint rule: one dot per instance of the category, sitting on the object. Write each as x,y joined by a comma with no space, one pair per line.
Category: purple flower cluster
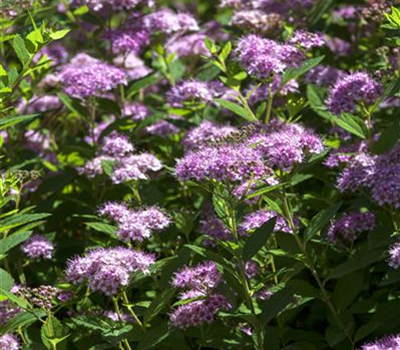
212,226
200,281
323,75
191,91
9,342
136,110
42,296
37,247
252,269
380,174
387,343
264,58
7,311
257,21
86,76
348,227
255,220
207,132
135,225
353,89
232,163
168,22
288,146
117,145
344,154
124,40
307,40
394,256
108,269
126,166
115,5
162,128
188,45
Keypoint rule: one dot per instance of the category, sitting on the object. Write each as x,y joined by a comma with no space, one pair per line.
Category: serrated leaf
17,300
20,49
319,221
158,304
23,319
20,219
10,121
258,239
59,34
104,228
142,84
6,280
352,124
11,241
294,73
276,304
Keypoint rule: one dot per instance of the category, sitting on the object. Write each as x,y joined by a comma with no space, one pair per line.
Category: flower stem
269,105
310,264
130,309
118,311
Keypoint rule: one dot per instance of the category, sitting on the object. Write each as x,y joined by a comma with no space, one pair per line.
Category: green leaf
20,219
73,105
225,51
20,49
235,108
104,228
142,83
22,320
276,304
294,73
20,302
10,121
319,221
352,124
11,241
59,34
6,280
159,304
154,336
388,138
316,102
52,332
258,239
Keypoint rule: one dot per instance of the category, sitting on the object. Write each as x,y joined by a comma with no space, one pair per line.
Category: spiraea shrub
199,175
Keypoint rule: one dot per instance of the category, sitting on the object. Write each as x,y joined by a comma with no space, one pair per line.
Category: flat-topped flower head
191,91
86,76
188,45
391,342
348,227
307,40
37,247
117,145
323,75
198,312
168,22
135,167
288,146
206,133
257,219
202,277
9,342
115,5
264,57
139,225
114,211
108,269
232,163
351,90
394,256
